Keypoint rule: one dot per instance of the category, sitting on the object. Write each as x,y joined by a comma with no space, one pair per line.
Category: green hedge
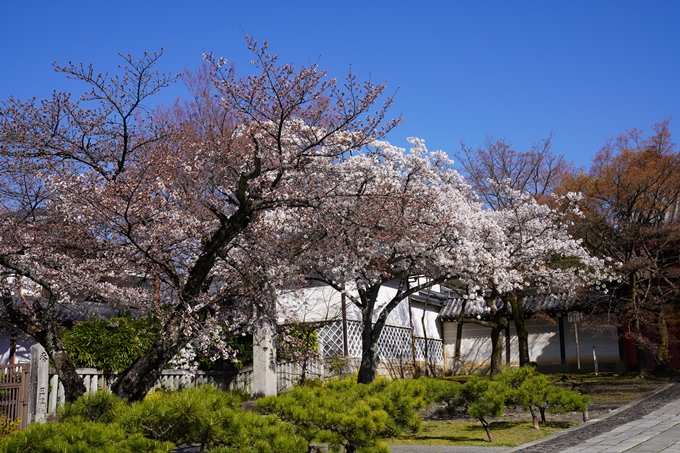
110,345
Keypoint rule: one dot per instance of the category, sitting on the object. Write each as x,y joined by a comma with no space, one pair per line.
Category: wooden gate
14,381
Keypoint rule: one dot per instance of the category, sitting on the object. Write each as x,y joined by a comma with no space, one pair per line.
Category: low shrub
353,415
79,436
100,406
8,426
214,419
526,388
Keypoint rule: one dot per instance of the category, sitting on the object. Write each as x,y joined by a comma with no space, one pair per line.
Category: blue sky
461,70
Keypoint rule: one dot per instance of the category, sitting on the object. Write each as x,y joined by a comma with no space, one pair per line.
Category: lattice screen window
354,330
435,350
330,340
395,343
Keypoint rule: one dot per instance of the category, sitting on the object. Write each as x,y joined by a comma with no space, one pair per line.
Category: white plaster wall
323,303
449,334
475,350
312,304
544,343
399,316
432,324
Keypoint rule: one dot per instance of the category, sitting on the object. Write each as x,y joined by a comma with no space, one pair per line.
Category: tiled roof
81,311
547,303
435,298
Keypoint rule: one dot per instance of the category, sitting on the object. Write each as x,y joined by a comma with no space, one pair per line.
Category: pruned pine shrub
212,418
482,399
263,434
100,406
353,415
204,415
561,401
532,391
478,398
79,436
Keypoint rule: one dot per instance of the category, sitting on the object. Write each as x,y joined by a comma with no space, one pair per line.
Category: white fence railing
287,374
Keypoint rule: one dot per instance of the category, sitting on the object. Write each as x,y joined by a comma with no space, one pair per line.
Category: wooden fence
14,380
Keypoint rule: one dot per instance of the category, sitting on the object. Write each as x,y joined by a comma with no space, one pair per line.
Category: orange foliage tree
632,211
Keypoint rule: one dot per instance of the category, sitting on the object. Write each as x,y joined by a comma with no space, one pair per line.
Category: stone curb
616,411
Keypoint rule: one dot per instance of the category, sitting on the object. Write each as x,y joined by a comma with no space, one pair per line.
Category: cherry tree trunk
46,333
369,354
370,334
517,304
497,348
134,382
69,377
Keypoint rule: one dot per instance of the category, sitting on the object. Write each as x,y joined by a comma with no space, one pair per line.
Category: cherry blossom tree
38,266
516,184
48,257
393,215
539,256
172,194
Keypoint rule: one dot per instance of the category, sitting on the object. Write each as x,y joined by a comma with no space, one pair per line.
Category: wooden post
459,338
507,345
578,354
563,351
413,335
345,339
13,345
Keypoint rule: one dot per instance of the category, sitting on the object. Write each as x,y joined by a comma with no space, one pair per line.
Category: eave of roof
550,304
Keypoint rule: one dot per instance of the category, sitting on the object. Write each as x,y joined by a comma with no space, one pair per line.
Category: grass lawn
505,434
619,388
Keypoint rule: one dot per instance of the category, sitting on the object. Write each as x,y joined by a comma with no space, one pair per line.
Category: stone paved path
424,449
655,432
